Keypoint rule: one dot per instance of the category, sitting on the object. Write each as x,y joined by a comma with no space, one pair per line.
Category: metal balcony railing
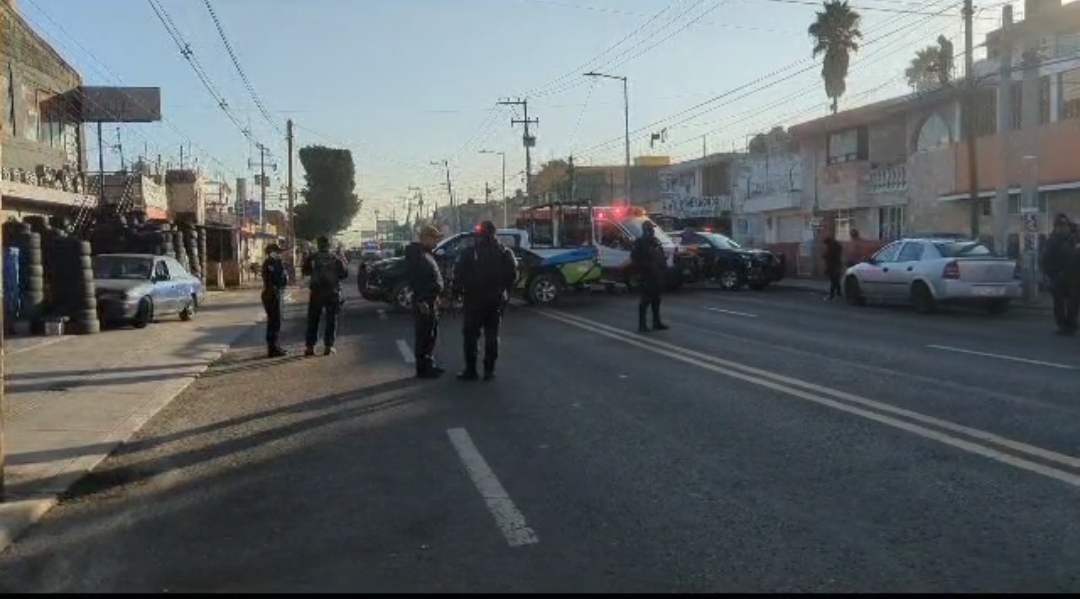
888,179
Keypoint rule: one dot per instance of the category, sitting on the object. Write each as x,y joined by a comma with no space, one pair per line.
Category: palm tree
932,66
835,32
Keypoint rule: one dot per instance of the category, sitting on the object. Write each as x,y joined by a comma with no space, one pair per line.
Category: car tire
189,310
853,292
544,289
402,297
921,298
730,280
145,314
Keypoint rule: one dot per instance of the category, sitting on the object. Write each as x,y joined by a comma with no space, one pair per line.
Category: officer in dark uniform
325,271
647,259
426,282
484,275
275,280
1058,263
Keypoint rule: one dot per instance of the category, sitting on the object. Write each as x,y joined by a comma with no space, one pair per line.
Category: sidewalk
74,400
1042,303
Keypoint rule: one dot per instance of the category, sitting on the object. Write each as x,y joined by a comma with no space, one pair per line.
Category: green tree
330,201
932,66
836,35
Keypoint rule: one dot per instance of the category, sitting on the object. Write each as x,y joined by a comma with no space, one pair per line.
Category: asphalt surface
887,458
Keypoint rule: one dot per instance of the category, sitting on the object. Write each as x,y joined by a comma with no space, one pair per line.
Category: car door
873,274
164,294
614,248
901,273
182,280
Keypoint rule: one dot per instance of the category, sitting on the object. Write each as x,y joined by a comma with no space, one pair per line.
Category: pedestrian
275,280
484,275
325,271
648,260
834,266
426,282
1059,264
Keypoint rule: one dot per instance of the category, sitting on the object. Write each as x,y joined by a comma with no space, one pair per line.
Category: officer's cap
429,232
272,248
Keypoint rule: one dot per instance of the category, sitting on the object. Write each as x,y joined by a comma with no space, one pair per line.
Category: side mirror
869,260
440,252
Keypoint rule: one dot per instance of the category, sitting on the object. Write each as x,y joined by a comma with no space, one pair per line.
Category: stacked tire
201,240
33,296
179,250
84,292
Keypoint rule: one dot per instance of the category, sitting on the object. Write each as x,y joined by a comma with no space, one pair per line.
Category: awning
988,194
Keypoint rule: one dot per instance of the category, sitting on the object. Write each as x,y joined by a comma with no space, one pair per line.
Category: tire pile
31,273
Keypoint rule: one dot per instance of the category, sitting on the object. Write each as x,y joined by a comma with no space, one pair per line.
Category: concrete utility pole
506,222
419,202
969,118
572,175
1031,109
626,123
263,151
450,193
289,140
527,140
1004,127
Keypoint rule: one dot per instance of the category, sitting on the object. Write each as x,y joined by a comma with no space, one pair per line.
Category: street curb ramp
19,515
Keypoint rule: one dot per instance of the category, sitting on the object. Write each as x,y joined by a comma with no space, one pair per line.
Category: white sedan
927,272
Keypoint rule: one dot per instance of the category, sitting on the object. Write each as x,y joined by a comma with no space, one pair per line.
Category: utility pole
120,150
969,118
263,151
527,140
289,140
571,173
450,192
487,193
1004,126
1029,210
506,221
419,202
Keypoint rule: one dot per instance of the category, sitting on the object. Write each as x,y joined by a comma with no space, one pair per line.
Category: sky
405,83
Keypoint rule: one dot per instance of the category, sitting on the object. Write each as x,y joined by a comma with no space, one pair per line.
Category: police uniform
648,260
426,283
485,274
326,271
275,280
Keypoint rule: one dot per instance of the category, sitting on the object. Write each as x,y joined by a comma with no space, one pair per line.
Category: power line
189,55
736,90
103,69
240,69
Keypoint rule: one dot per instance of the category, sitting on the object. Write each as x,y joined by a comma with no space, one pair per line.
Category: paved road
768,442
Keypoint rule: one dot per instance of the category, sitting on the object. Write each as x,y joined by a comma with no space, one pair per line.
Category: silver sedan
927,272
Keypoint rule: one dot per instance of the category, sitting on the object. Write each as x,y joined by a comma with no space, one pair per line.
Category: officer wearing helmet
484,275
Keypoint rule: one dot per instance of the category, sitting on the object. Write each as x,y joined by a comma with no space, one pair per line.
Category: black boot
657,324
275,351
642,327
469,374
489,370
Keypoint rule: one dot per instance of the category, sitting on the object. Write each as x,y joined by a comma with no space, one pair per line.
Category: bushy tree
330,200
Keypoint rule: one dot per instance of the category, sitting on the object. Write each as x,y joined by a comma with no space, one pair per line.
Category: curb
19,515
824,290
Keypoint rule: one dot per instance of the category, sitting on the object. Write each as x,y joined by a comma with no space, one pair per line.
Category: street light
449,191
626,123
503,155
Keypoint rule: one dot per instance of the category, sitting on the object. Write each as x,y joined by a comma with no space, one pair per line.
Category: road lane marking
382,314
732,312
406,352
791,386
509,520
1002,357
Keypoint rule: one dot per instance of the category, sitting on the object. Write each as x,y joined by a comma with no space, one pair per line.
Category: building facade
700,192
40,129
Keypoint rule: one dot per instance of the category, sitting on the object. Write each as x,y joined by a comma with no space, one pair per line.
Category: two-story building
700,193
40,128
768,194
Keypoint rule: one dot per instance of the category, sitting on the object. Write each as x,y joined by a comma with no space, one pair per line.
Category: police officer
647,259
484,275
326,271
1055,265
426,282
275,280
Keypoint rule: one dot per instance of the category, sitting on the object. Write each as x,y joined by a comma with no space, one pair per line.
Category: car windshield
122,267
634,227
720,241
957,249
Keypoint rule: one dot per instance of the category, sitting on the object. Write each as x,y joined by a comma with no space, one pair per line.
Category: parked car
139,288
928,272
718,258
